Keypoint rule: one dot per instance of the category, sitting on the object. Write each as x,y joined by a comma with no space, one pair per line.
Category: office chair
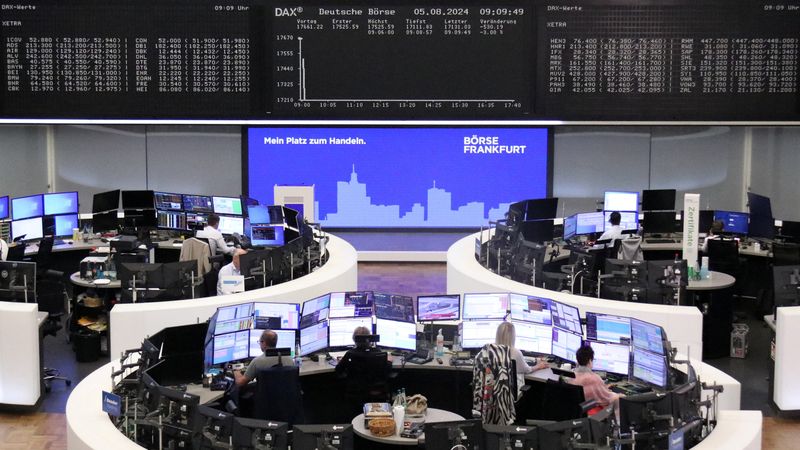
210,279
278,395
366,378
494,385
785,254
42,258
16,252
51,297
723,256
564,401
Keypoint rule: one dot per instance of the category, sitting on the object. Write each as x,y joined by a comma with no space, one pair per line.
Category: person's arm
522,365
248,376
222,247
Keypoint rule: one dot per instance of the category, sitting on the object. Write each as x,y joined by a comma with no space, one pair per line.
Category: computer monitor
611,358
529,308
140,218
329,437
340,331
290,217
215,427
168,201
60,203
230,225
177,280
254,434
658,199
394,307
352,304
786,284
259,214
233,312
759,205
629,220
485,306
706,219
541,208
27,229
591,222
570,227
138,200
566,345
171,220
231,347
18,281
640,412
4,210
761,227
227,205
608,328
438,307
733,222
565,434
647,336
649,367
462,434
789,229
277,316
197,203
107,221
477,333
287,339
659,222
533,337
315,310
503,437
267,235
566,317
396,334
105,201
537,230
621,201
182,408
196,221
313,338
27,207
64,224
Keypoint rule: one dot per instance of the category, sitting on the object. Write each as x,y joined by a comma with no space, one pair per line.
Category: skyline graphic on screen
402,177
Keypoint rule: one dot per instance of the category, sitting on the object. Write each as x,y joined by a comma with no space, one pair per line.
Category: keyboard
660,241
58,242
629,388
416,359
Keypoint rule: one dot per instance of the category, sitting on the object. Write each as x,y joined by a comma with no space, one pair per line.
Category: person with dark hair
615,231
365,370
593,386
216,242
714,233
268,340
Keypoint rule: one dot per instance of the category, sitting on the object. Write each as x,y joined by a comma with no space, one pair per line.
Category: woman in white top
3,250
506,335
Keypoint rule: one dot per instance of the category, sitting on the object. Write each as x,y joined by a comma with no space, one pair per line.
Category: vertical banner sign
691,222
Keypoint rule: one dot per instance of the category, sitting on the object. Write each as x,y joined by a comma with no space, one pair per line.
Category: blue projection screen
402,177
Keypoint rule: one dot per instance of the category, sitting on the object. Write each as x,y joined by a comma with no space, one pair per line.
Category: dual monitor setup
36,216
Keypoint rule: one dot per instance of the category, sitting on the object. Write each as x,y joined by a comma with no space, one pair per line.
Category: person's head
269,339
585,356
236,254
361,331
615,218
213,220
506,335
716,227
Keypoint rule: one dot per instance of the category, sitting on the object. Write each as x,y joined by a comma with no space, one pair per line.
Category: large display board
521,59
402,177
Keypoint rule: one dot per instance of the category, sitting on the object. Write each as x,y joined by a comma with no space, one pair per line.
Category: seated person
594,388
615,231
715,232
268,340
366,370
3,250
507,335
216,242
230,269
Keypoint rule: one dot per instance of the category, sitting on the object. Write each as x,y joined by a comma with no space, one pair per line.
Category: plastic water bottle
439,344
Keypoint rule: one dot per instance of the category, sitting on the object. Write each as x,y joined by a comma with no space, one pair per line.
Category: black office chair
278,395
16,252
210,279
564,401
723,256
785,254
42,258
366,379
51,297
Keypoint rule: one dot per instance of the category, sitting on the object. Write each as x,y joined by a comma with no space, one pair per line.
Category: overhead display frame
260,60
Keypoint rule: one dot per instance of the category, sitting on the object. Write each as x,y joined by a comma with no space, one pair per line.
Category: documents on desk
545,374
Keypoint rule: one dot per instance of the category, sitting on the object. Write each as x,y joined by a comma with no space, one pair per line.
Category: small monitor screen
531,309
231,347
761,227
565,345
265,214
541,208
266,235
759,205
621,201
228,205
352,304
276,316
570,226
649,367
612,358
138,200
65,223
230,225
341,330
106,221
286,339
234,312
169,201
315,310
197,203
30,228
196,221
732,221
61,203
313,338
477,333
659,222
105,201
647,336
438,307
588,223
395,334
485,306
566,317
607,328
533,337
537,230
4,212
788,228
658,200
171,220
628,220
229,326
394,307
27,207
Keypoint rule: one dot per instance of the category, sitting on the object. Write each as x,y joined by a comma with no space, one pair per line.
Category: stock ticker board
534,59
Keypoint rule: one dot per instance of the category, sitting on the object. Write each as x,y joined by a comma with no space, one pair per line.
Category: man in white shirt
229,270
3,250
615,231
216,242
714,233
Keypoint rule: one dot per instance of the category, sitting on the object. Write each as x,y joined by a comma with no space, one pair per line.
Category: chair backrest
629,249
723,255
16,252
278,395
50,297
43,255
494,385
561,401
785,254
367,375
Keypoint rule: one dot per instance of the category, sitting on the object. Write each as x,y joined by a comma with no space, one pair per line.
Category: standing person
215,240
